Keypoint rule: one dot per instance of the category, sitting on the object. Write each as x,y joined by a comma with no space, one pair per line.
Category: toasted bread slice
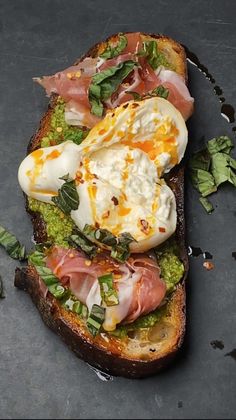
145,351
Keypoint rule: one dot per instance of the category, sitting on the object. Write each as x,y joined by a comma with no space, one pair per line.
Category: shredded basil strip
160,91
11,245
96,319
154,57
68,198
1,289
113,51
211,167
203,181
108,292
220,144
78,239
119,245
206,204
105,83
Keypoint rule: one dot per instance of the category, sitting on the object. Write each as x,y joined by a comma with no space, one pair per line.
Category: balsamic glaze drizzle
227,110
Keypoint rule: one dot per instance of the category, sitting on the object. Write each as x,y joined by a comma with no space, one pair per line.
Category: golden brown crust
134,356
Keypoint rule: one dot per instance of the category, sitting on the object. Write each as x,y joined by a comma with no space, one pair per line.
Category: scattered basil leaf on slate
113,51
212,167
220,144
11,245
200,160
78,239
1,289
108,292
206,204
222,168
154,57
68,198
203,181
105,83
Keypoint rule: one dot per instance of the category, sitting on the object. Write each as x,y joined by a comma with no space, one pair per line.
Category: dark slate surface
39,376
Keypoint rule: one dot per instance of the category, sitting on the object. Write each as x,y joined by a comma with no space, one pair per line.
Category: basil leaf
105,83
1,289
120,253
222,168
96,319
78,239
11,245
68,198
203,181
206,204
101,235
200,160
37,258
154,57
220,144
160,91
136,95
113,51
108,292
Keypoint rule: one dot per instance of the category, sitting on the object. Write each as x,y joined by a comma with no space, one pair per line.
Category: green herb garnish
206,204
154,57
78,239
108,292
96,319
113,51
119,245
11,245
160,91
68,198
105,83
212,167
1,289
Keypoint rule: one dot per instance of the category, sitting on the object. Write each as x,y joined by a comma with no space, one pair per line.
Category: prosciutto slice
139,286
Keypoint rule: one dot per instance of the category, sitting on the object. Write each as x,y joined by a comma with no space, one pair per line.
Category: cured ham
139,286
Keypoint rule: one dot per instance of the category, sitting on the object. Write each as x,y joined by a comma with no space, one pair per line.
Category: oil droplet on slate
105,377
228,112
196,252
217,344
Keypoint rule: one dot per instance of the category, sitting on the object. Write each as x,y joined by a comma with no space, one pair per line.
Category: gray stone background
39,376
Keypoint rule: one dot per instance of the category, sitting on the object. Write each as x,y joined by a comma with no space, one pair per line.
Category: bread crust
126,357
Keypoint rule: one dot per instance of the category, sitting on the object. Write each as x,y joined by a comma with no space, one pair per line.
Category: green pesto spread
59,130
172,268
59,226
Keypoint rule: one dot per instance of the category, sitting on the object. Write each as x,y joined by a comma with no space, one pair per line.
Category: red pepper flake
97,226
135,105
145,227
162,229
208,265
102,131
115,201
125,106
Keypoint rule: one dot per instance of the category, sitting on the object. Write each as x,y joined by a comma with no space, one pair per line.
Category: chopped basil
1,289
211,167
37,258
119,245
136,95
78,239
154,57
206,204
160,91
108,292
96,319
11,245
113,51
200,160
222,168
105,83
220,144
68,198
